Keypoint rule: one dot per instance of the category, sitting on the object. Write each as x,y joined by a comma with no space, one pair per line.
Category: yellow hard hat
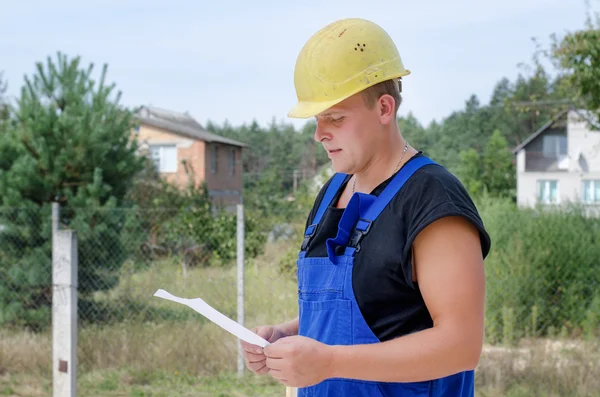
340,60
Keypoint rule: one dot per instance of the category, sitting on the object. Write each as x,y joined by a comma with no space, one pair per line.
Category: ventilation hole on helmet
358,44
364,45
361,50
355,49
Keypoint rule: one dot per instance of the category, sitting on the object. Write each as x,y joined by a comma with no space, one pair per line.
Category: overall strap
334,185
364,224
357,207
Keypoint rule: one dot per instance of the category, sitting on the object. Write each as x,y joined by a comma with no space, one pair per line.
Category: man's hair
390,87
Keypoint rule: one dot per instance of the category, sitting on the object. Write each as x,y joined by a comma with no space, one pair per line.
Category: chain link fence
124,257
542,311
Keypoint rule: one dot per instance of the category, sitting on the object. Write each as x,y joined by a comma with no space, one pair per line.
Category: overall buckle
362,228
308,235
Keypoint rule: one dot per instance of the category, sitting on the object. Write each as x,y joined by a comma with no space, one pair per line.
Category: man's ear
386,106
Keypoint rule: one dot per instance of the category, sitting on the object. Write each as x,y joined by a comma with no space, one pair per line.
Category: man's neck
388,160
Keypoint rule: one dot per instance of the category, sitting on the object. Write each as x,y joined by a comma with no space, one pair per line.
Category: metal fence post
240,282
64,309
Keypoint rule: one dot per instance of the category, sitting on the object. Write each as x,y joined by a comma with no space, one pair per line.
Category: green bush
543,273
174,221
215,235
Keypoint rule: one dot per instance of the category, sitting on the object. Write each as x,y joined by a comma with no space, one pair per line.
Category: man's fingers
274,363
263,370
277,375
256,366
277,350
249,348
265,332
254,358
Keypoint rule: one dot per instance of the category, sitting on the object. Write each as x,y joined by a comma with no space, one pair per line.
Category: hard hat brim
306,109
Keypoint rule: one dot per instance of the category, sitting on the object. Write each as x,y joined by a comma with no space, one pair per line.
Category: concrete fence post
64,309
240,282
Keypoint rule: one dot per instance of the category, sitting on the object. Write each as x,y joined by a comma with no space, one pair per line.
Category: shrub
543,272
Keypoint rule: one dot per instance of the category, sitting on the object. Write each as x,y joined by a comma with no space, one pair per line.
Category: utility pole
295,181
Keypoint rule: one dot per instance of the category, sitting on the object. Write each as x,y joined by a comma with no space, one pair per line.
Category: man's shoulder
435,184
434,192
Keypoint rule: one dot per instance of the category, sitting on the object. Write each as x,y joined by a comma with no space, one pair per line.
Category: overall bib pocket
328,321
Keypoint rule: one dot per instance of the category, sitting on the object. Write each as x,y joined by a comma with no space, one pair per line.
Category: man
391,282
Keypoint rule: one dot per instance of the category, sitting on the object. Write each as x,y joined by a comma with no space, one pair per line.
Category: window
555,145
164,157
231,161
590,191
548,192
213,159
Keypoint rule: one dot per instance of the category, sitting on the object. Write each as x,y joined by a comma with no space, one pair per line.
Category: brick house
183,150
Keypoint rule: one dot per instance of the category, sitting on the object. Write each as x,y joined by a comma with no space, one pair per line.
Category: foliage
543,272
492,171
3,102
182,221
577,54
70,144
516,109
214,236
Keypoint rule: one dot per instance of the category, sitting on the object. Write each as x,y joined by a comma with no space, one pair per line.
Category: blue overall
328,311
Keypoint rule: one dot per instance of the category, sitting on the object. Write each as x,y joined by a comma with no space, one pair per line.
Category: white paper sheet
216,317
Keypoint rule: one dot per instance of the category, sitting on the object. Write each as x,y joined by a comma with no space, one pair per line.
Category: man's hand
298,361
253,355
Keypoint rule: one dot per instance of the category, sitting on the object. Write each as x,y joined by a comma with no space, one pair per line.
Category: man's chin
339,167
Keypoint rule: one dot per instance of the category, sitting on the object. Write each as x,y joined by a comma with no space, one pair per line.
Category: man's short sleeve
434,193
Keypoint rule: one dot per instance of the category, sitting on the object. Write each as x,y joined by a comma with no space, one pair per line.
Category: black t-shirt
382,276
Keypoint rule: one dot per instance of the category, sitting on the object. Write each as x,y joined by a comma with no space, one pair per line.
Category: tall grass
543,273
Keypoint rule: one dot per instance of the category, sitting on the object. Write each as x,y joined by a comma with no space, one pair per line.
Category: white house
560,163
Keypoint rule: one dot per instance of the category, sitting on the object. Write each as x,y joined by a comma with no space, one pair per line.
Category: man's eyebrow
329,114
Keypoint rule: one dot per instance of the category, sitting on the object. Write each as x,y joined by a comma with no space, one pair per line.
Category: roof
179,123
540,131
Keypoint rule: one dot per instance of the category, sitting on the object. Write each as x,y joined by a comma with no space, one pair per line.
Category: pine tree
3,103
70,143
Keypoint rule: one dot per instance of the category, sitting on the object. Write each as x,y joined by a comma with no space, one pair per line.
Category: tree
577,55
3,103
71,144
470,171
500,173
414,132
491,171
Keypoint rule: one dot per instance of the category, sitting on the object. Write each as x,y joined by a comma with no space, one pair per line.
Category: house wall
568,187
583,163
584,147
224,188
190,154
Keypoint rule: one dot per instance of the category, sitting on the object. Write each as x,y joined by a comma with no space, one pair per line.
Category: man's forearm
425,355
289,328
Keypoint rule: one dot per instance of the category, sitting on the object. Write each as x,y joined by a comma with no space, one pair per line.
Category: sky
234,60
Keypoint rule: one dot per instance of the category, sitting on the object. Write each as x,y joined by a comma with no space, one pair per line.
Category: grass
160,348
534,368
131,382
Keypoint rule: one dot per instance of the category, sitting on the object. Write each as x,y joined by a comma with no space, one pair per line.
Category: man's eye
338,120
